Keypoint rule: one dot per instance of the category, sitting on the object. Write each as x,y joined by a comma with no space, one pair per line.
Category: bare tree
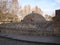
37,10
8,10
3,4
13,6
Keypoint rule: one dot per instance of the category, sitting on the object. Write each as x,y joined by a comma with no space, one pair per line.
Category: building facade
56,20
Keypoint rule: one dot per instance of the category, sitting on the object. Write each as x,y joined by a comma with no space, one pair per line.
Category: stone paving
13,38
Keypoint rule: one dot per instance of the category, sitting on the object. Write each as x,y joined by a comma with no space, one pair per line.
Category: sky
47,6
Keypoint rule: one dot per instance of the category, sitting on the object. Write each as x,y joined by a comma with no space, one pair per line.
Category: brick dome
34,17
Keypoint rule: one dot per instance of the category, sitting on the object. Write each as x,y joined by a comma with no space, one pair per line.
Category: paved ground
32,38
6,41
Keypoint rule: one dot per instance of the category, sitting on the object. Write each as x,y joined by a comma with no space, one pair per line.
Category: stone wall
28,32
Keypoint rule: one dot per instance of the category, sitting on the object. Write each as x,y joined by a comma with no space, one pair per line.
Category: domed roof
34,17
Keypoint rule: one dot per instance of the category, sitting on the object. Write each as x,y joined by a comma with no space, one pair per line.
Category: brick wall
57,22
